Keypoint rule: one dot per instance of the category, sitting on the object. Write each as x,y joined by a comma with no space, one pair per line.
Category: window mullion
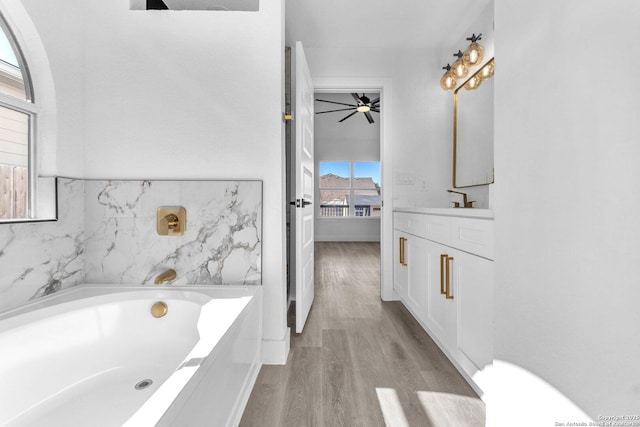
352,195
32,172
18,104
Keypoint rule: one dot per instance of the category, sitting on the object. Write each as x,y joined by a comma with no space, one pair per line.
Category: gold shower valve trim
171,220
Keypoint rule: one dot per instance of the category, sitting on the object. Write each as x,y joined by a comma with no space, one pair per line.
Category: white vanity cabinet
441,305
473,292
443,273
409,275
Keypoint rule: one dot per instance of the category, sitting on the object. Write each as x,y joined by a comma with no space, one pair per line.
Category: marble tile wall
222,244
106,233
37,259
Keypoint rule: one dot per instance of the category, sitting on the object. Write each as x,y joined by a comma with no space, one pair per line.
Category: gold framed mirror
473,129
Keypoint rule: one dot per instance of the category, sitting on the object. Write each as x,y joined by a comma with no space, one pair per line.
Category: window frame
351,190
28,107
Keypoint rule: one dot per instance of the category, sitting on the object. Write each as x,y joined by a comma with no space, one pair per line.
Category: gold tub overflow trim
159,309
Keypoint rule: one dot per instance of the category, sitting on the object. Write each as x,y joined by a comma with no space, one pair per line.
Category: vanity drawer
473,235
409,223
438,228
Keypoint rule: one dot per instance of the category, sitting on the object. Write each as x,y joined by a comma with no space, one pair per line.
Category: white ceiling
379,23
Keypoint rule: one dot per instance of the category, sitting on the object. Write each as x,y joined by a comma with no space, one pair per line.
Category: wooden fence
13,191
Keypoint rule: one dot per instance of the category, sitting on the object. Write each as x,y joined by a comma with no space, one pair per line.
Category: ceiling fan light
363,109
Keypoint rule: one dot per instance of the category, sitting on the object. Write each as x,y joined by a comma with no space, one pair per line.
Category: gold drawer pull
448,290
443,261
402,260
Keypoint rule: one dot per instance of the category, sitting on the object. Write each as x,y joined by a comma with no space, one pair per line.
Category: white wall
566,199
354,140
54,54
174,95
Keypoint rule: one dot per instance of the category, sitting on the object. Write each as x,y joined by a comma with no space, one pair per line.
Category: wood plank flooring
360,361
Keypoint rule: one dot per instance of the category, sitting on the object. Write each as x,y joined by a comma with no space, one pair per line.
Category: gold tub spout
167,276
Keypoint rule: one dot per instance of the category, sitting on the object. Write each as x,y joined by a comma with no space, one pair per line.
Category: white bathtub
75,357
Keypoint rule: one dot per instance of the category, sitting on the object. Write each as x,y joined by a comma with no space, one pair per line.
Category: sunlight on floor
391,408
452,409
517,394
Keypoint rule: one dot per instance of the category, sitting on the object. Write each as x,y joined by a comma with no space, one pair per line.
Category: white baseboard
275,352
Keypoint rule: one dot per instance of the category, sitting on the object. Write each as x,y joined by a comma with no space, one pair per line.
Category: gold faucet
465,203
167,276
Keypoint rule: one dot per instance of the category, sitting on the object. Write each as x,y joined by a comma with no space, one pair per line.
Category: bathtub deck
358,354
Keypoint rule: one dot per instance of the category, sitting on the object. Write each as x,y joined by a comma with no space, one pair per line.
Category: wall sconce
448,81
459,68
471,57
475,52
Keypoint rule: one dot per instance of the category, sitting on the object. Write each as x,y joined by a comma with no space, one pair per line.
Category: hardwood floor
360,361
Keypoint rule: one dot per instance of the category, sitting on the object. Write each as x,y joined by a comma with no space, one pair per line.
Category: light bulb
447,82
487,71
473,54
363,109
473,83
459,69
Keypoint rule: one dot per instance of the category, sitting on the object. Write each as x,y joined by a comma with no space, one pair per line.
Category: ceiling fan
363,105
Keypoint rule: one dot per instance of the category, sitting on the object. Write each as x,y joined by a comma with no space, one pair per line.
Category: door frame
382,85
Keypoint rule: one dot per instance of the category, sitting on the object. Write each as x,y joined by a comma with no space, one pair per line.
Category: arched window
17,137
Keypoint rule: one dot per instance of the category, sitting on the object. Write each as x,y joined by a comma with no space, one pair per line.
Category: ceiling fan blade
369,117
333,111
357,98
345,118
374,110
334,102
375,101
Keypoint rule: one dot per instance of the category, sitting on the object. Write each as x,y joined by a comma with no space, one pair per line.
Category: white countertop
460,212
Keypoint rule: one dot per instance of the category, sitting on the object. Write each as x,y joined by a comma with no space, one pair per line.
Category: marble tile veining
222,243
106,233
37,259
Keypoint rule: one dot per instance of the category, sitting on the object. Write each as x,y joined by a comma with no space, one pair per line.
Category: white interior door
304,188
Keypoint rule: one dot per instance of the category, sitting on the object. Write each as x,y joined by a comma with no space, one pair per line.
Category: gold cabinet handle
443,261
402,260
448,290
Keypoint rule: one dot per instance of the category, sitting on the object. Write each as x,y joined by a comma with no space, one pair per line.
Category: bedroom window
17,119
349,189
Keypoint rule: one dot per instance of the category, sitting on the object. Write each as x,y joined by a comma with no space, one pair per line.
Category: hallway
360,361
